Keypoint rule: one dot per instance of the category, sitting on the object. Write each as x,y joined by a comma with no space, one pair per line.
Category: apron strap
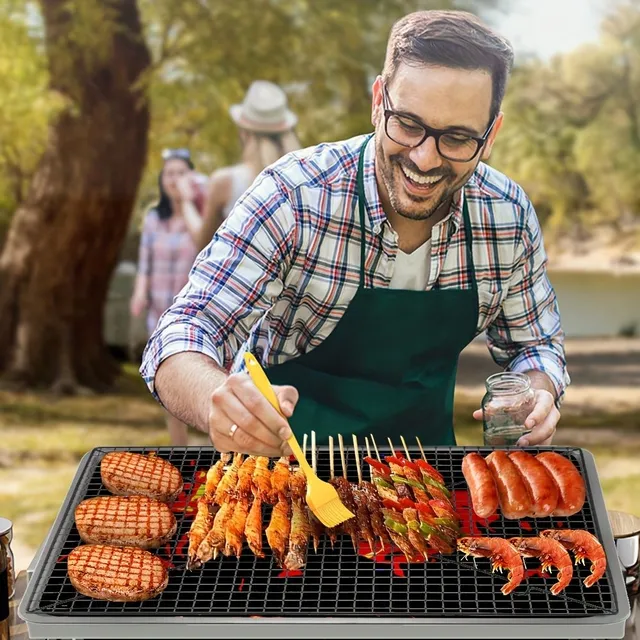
468,237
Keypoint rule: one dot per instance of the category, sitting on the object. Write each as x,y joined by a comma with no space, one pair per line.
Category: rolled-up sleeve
527,334
233,282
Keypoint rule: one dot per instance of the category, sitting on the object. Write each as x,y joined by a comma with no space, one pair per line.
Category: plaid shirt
282,269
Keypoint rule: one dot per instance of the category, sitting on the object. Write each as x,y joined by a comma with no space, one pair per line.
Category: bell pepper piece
401,529
426,468
378,466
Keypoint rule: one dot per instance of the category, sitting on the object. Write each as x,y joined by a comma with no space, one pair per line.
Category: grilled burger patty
118,574
130,474
137,521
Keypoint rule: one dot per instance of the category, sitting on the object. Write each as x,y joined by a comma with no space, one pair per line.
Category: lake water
597,304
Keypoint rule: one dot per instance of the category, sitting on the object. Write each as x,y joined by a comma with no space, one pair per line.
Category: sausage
482,486
569,481
542,488
515,501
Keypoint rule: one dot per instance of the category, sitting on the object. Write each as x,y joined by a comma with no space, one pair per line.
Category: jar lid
6,526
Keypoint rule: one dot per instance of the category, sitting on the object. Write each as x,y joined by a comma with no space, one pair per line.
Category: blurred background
92,91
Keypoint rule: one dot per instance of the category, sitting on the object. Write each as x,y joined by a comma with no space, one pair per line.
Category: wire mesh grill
335,582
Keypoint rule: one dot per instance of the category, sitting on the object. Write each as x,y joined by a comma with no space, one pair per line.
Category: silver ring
232,430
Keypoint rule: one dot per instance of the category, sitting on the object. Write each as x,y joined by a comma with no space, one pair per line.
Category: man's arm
527,336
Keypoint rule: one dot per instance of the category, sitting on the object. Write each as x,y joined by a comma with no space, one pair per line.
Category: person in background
166,254
266,131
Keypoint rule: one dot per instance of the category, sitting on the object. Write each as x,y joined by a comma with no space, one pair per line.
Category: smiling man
357,271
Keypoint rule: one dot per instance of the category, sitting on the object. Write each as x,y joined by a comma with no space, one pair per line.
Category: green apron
389,366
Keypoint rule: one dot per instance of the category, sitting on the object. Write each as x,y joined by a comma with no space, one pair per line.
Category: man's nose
426,156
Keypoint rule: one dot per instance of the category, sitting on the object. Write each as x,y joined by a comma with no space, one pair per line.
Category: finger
477,414
543,433
239,415
288,399
240,441
544,404
244,388
225,444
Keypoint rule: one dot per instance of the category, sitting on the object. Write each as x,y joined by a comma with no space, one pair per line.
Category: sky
547,27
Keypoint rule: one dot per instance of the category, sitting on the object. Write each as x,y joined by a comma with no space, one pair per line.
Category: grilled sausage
482,486
132,474
543,490
570,483
118,574
137,521
513,495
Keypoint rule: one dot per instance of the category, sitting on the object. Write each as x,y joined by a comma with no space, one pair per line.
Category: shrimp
214,475
261,479
245,475
298,485
234,535
253,528
299,538
215,539
551,554
280,479
585,546
227,485
501,553
278,530
200,527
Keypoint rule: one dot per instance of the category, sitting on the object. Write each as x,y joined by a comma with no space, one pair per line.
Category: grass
42,439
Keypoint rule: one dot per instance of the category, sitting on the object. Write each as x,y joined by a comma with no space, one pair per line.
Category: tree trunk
64,239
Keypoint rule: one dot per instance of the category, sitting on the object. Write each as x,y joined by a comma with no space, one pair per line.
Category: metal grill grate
335,582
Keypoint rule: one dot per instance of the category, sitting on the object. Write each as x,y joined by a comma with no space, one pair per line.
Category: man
358,271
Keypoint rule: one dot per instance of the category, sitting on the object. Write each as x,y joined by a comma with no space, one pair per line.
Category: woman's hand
186,188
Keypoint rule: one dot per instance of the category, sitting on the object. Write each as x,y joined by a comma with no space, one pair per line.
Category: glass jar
4,595
6,536
506,405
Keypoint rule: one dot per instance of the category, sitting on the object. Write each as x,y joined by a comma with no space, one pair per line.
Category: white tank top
240,182
412,270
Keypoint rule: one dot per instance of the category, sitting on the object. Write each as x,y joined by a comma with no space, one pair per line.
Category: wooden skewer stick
421,449
356,453
331,475
406,449
366,443
393,451
342,456
375,446
304,445
314,460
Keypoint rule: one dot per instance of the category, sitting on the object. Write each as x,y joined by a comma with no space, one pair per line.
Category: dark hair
163,208
455,39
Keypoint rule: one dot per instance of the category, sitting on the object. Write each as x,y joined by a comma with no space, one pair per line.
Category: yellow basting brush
322,498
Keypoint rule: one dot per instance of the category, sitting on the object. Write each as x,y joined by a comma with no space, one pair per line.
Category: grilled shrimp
262,479
234,535
245,475
215,539
299,538
298,485
214,475
585,546
501,553
227,486
280,479
253,528
200,527
278,530
551,554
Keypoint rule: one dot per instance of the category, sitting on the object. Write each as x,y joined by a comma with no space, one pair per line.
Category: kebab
300,527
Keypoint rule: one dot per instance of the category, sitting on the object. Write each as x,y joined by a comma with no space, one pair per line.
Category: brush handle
261,381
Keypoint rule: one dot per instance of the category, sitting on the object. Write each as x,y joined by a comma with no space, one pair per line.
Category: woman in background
166,254
266,131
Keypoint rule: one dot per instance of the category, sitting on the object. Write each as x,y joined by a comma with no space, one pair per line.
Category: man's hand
259,429
544,416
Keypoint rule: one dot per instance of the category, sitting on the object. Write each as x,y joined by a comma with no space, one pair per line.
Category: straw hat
264,109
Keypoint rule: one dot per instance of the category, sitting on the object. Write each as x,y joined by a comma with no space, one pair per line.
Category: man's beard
429,207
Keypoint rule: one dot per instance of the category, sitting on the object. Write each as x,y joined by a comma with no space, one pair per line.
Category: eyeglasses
183,154
409,132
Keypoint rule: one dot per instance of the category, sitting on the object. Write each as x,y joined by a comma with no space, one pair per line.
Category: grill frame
135,620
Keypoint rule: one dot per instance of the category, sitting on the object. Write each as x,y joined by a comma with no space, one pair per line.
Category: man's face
415,182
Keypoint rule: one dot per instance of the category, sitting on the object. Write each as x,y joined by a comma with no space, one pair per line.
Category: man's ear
376,101
488,145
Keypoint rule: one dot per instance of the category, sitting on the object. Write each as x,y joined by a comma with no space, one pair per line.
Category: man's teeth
418,178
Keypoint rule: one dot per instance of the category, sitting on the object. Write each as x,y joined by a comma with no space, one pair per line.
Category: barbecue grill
339,592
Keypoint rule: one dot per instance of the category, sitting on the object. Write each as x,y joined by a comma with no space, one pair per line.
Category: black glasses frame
429,132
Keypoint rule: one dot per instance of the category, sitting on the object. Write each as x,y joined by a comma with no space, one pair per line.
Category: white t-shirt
412,270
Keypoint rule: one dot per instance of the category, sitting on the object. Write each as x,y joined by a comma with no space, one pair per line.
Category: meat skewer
360,498
405,486
343,487
374,505
261,479
279,529
198,531
381,475
317,528
332,532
